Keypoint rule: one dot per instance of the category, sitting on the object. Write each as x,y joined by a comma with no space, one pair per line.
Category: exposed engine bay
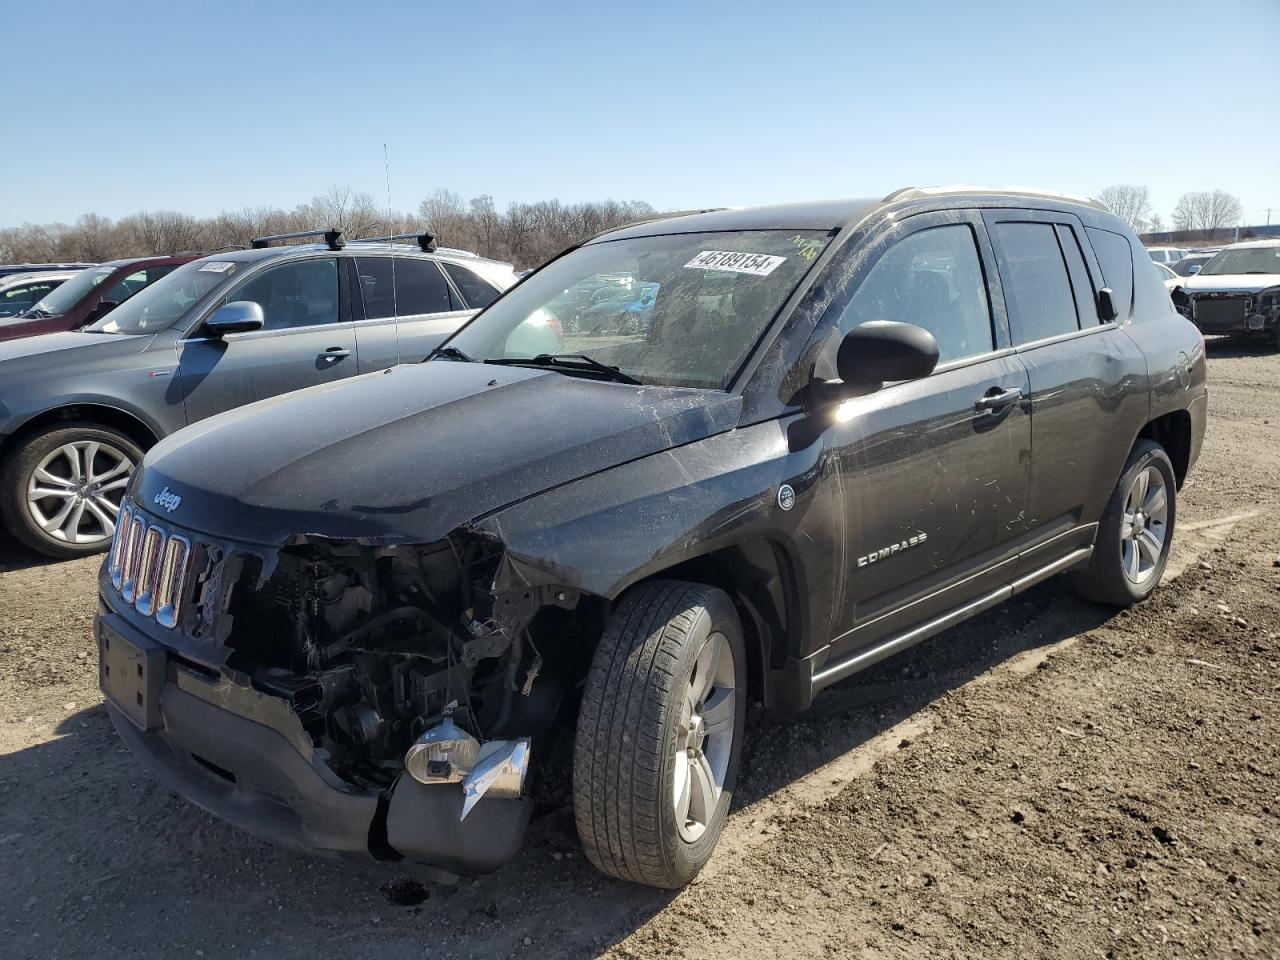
389,652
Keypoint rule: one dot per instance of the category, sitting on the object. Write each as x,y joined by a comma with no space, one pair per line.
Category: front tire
1135,533
660,733
61,488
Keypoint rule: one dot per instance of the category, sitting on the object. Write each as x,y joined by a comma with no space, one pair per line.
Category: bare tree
526,233
485,218
1156,225
355,213
1205,210
164,232
1129,202
445,215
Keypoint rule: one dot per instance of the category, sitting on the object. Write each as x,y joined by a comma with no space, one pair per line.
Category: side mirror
1107,310
238,316
879,352
1194,268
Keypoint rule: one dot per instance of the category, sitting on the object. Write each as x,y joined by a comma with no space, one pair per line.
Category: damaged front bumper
236,757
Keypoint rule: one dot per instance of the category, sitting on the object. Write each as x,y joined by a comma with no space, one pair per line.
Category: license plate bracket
131,675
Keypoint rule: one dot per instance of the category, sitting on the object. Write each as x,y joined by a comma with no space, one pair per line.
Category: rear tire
83,468
1135,533
660,733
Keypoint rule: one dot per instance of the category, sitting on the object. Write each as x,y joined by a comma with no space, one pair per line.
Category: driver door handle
335,353
997,398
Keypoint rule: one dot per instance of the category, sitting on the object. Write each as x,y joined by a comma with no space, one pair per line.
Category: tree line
1198,211
526,234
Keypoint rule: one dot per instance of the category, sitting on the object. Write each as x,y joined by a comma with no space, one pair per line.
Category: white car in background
1167,255
1167,276
1237,292
22,291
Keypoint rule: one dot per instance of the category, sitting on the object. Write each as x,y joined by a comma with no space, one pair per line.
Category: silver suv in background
78,409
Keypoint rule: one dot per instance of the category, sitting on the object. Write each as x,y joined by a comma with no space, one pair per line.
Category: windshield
160,305
1244,260
707,298
65,298
1183,267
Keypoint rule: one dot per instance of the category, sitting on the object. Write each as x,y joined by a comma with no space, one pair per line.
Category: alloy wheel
1144,529
74,493
704,738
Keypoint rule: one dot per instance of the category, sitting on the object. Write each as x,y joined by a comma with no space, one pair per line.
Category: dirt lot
1047,780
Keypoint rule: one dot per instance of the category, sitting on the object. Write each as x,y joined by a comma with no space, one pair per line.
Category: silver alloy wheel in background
74,493
704,738
1144,529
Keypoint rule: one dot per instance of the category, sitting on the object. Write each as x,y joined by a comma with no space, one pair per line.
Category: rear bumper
257,778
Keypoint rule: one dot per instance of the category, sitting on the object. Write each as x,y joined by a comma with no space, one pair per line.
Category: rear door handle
998,398
335,353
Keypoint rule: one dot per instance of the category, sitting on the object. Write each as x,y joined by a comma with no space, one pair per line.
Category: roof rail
331,237
915,193
425,240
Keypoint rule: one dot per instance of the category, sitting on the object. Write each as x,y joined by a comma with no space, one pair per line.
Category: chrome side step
887,647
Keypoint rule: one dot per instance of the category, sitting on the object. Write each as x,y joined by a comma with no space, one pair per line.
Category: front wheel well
757,577
1173,432
98,414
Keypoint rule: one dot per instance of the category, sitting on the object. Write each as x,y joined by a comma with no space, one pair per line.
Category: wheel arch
103,414
760,578
1173,432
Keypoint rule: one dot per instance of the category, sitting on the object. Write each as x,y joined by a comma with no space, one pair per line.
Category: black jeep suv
349,618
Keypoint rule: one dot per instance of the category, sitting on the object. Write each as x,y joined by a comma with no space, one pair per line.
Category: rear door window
1037,288
1081,282
376,287
420,288
475,291
1115,258
933,279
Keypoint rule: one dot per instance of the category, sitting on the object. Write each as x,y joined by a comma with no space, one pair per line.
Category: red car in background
89,296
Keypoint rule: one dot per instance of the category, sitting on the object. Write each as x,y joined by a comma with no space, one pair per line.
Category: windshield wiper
569,362
452,352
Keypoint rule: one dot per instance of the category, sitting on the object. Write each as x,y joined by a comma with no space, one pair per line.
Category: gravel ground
1049,779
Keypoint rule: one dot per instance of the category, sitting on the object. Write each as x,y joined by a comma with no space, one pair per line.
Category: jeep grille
148,566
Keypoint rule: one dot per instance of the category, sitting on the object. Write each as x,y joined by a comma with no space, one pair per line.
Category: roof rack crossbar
333,238
425,240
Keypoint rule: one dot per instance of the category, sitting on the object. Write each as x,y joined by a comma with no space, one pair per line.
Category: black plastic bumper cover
251,776
275,794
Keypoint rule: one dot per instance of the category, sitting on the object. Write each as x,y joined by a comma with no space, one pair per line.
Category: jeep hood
409,454
1231,283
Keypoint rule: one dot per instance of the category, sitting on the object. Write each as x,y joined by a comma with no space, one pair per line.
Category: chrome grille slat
173,575
148,566
153,546
132,557
118,542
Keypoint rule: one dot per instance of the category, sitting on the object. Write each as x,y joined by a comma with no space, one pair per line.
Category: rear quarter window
475,291
1115,257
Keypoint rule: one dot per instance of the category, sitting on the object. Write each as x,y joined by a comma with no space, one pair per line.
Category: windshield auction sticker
218,266
758,264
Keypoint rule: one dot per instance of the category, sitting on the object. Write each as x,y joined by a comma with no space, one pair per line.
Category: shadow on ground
14,556
102,860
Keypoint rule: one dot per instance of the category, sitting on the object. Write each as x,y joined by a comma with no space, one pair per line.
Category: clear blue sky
202,107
